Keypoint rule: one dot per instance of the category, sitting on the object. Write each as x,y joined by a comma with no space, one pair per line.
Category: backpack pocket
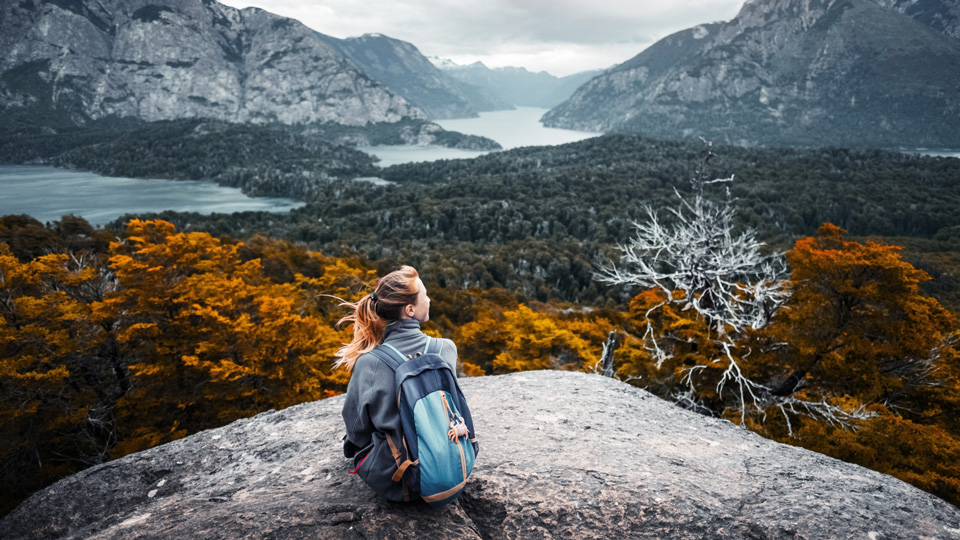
376,468
443,448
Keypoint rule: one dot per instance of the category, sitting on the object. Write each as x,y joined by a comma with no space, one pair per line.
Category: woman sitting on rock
388,319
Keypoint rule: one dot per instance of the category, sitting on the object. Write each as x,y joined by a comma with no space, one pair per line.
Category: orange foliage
857,331
174,333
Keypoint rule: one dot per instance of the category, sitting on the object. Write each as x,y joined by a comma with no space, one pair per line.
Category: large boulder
562,455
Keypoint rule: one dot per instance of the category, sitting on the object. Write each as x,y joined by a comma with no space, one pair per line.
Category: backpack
438,434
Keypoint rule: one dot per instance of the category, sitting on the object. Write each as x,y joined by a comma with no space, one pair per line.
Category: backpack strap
394,361
397,359
431,341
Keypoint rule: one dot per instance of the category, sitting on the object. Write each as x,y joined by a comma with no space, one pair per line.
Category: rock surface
563,455
168,59
785,72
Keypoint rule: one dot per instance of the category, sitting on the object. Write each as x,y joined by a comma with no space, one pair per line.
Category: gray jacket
370,412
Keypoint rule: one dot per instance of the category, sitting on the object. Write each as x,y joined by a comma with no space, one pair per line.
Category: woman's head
397,295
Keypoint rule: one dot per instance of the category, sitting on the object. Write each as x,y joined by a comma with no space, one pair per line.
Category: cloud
559,36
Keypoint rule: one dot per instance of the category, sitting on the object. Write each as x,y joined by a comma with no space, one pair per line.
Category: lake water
940,153
512,129
48,193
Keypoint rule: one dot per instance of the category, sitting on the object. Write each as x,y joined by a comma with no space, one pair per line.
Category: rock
806,73
563,455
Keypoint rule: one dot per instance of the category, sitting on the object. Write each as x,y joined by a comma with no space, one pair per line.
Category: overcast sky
557,36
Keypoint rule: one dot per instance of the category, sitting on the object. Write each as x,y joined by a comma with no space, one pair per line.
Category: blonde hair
372,313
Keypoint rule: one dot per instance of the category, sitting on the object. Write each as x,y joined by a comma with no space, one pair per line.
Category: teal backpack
438,436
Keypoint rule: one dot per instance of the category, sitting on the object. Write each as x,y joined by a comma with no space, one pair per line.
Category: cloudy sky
557,36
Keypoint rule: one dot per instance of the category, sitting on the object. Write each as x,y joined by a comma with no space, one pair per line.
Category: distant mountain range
400,66
790,72
517,86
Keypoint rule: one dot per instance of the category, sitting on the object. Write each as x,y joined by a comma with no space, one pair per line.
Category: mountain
168,59
785,72
517,86
942,15
400,66
562,455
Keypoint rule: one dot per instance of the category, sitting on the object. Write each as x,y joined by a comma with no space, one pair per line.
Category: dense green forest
536,220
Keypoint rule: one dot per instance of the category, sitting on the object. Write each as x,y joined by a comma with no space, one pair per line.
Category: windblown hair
371,316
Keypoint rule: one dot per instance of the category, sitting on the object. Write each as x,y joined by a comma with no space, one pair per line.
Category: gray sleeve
366,408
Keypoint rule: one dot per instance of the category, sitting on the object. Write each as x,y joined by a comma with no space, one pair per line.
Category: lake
512,129
48,193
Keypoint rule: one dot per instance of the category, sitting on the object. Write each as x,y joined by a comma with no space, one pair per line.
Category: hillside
567,455
400,66
785,73
69,62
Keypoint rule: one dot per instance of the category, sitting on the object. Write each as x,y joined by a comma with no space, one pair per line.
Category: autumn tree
107,349
214,340
59,379
857,332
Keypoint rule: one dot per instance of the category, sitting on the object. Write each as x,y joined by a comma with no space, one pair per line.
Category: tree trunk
607,357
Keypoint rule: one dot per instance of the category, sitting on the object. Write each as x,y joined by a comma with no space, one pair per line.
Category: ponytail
372,313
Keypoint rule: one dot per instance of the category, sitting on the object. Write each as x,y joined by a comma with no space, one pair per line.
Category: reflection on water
48,193
512,129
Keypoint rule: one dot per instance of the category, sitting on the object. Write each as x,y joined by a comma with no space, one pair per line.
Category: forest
535,220
262,160
116,341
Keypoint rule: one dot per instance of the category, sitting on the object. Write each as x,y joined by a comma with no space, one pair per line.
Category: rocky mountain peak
785,72
169,59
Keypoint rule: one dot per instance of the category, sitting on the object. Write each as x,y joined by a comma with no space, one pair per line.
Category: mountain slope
785,72
169,59
400,66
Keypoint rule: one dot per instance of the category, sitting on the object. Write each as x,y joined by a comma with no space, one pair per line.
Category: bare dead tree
726,280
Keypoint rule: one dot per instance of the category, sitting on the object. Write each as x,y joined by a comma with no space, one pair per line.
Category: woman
391,314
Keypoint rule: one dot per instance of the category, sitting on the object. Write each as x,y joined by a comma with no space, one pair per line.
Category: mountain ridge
400,66
517,85
785,72
171,59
